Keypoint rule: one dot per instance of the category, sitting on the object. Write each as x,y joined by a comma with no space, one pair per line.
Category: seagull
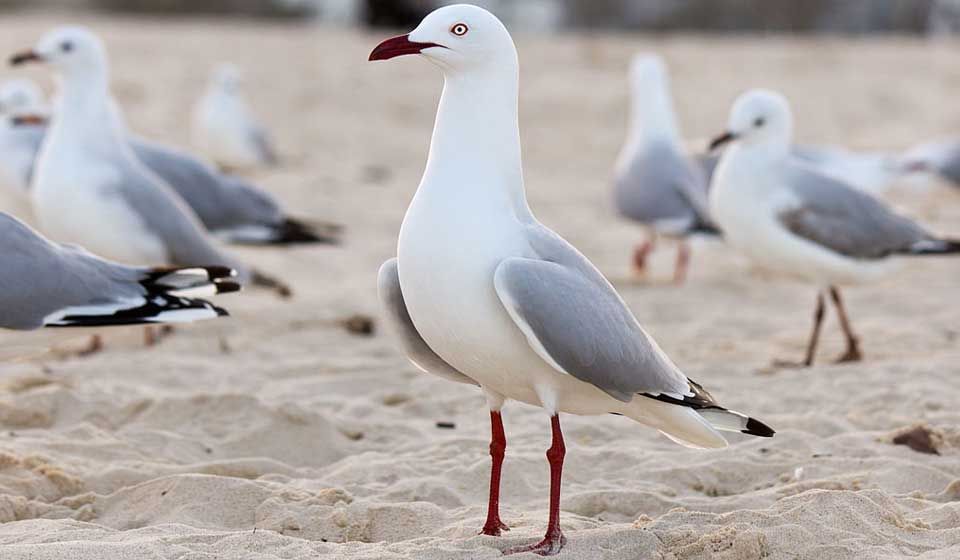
656,182
224,125
89,188
45,284
482,293
789,217
941,157
231,208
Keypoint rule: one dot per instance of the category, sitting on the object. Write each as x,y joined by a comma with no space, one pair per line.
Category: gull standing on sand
89,187
787,216
45,284
482,293
224,126
231,208
656,182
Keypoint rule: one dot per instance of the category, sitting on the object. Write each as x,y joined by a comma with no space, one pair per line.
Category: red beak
399,46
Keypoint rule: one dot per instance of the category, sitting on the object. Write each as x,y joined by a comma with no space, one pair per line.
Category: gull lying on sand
787,216
45,284
482,293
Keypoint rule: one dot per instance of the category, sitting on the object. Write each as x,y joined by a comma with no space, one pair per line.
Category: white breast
746,200
75,202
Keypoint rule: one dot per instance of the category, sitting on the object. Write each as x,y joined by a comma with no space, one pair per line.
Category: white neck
476,141
86,113
652,118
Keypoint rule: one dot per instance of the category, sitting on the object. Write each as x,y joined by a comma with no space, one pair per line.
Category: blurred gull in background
941,158
224,126
788,216
231,208
656,183
89,188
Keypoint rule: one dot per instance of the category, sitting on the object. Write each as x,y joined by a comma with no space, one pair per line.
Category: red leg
498,446
554,540
640,254
852,353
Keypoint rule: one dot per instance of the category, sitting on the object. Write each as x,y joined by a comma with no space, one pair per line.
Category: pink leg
498,446
554,540
641,253
683,262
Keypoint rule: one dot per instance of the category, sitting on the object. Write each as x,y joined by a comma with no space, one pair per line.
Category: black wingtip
755,427
227,287
292,231
221,312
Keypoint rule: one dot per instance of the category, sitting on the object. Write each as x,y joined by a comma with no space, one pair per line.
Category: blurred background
809,16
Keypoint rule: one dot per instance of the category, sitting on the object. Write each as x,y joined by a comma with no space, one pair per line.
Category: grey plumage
227,206
47,284
847,221
416,349
661,185
580,322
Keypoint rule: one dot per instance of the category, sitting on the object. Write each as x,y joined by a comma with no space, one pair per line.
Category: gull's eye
459,29
66,46
759,121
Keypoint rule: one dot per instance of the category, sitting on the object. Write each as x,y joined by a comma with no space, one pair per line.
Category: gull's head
21,96
68,49
457,38
758,116
227,77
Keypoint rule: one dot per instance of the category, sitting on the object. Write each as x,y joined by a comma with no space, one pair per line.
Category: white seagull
656,182
224,126
231,208
88,186
45,284
789,217
482,293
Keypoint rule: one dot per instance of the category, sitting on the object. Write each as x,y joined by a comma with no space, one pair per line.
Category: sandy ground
277,434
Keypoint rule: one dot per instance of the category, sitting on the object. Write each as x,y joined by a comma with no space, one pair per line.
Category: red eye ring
459,29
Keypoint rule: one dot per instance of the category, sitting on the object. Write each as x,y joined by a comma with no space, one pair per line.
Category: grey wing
575,320
417,350
845,220
261,141
168,217
661,185
40,278
220,201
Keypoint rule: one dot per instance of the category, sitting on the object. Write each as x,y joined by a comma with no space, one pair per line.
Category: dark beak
917,166
399,46
28,120
724,138
24,57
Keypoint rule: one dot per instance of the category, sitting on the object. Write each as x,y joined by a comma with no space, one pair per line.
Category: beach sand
278,434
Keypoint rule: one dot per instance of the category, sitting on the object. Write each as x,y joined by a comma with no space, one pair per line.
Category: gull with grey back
789,217
88,186
483,293
45,284
656,182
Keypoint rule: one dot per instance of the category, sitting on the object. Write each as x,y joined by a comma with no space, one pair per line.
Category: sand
278,434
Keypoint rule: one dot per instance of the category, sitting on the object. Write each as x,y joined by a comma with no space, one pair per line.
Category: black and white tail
171,297
717,416
290,231
935,247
